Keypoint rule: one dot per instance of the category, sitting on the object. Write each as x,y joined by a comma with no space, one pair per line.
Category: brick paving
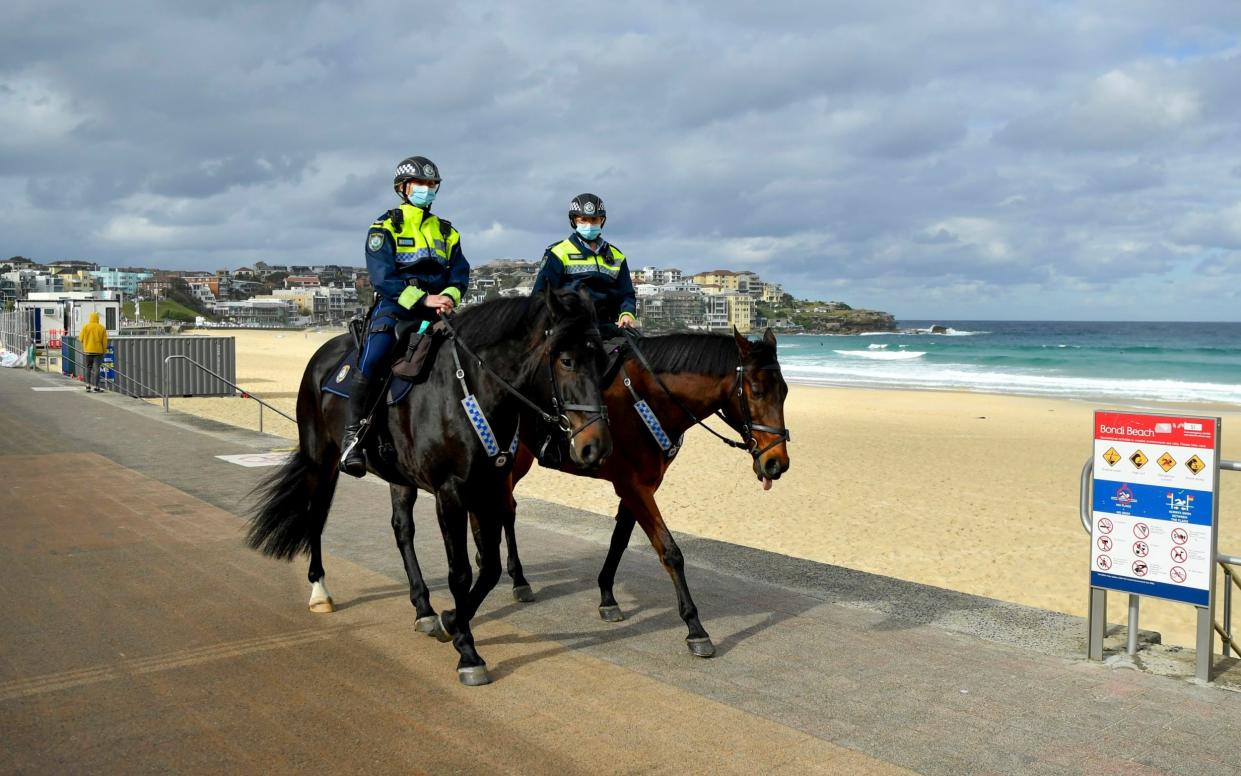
141,636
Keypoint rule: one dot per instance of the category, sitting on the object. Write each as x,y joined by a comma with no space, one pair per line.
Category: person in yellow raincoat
93,339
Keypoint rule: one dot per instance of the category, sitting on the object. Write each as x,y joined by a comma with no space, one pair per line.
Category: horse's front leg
609,610
403,498
645,511
453,519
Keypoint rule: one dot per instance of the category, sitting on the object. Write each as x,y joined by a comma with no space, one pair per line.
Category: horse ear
554,305
743,344
769,337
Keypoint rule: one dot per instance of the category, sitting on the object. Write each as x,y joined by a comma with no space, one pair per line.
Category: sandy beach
972,492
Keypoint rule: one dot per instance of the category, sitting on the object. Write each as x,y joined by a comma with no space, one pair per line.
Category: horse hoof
474,676
523,593
429,625
324,606
701,647
441,633
611,613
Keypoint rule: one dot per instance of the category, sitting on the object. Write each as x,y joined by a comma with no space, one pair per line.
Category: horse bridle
748,441
559,406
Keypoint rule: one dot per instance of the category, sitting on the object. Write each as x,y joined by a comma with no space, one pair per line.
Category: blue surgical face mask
421,195
589,231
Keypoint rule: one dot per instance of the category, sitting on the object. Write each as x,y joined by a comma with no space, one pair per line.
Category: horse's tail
285,517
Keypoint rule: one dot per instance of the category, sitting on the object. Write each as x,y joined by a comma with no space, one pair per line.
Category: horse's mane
507,318
701,352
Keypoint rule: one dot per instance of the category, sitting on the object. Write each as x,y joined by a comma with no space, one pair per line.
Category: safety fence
16,330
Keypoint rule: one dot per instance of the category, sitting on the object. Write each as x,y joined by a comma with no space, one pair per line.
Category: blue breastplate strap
478,420
648,417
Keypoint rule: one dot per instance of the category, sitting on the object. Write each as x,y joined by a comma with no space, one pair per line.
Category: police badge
374,242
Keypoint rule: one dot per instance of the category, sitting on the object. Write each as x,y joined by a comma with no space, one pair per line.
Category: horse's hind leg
645,511
609,610
403,498
322,486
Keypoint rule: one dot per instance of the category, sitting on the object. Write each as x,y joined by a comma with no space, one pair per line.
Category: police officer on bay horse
585,259
418,272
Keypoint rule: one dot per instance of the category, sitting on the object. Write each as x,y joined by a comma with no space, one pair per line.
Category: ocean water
1123,362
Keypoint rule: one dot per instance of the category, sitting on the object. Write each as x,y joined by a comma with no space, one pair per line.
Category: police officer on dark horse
418,272
508,359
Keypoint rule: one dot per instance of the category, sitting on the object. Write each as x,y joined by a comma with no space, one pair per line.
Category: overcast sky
1029,160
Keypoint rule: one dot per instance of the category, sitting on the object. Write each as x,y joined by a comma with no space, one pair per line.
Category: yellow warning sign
1139,458
1166,462
1195,465
1111,456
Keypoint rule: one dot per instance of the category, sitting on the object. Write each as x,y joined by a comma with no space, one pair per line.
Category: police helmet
415,167
586,205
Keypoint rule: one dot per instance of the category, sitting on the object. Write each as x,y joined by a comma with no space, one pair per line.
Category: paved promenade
141,636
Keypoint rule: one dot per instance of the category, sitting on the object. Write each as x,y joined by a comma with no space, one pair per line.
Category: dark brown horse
681,378
547,346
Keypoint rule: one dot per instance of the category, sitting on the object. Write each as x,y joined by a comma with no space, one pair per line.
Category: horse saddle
416,354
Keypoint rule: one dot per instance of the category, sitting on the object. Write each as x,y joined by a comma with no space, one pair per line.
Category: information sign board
1156,487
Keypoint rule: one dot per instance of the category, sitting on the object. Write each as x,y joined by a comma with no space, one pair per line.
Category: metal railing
16,330
1230,564
244,393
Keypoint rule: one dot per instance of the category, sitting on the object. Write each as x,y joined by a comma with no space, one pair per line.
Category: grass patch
169,310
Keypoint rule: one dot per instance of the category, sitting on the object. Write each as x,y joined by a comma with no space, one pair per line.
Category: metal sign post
1153,522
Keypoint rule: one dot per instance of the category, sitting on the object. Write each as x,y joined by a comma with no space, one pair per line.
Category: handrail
244,393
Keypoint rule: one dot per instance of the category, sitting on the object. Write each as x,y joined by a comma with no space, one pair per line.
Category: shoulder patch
375,241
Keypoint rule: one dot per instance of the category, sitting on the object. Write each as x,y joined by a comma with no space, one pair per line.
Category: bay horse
548,345
682,378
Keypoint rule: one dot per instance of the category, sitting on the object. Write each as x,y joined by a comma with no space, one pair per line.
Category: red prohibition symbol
1179,554
1180,535
1105,543
1177,574
1105,525
1140,568
1104,562
1141,530
1141,549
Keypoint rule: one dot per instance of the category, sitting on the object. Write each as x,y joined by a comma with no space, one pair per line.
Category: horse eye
566,362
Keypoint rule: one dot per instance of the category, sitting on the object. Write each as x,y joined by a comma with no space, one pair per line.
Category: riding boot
361,399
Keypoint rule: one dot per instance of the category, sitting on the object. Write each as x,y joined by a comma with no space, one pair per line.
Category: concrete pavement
142,636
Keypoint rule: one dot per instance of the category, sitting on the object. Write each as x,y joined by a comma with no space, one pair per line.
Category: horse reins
748,442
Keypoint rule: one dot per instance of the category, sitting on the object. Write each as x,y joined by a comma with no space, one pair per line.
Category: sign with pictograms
1168,511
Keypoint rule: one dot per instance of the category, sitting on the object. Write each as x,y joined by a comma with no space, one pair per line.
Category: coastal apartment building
668,310
258,311
321,303
113,279
728,310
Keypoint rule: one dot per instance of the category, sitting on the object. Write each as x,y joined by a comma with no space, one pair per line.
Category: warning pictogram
1104,562
1139,458
1166,462
1105,543
1111,456
1141,549
1180,535
1140,568
1195,465
1180,554
1177,574
1141,530
1105,525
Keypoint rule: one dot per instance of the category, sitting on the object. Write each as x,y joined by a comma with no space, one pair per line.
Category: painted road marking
255,460
60,388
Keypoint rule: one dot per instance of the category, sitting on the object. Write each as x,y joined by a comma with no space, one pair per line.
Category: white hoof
320,599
